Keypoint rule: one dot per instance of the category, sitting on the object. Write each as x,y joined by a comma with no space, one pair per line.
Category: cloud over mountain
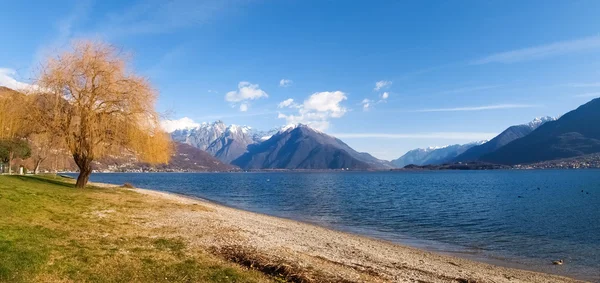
316,110
183,123
246,91
7,79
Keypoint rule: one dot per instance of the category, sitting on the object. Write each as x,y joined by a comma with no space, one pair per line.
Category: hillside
575,133
433,155
302,147
185,158
504,138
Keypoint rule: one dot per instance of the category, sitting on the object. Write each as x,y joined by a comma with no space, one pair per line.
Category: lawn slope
51,232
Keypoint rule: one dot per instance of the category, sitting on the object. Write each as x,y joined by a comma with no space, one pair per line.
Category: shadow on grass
43,180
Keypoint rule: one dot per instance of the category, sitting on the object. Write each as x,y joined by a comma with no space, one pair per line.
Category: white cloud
542,51
287,103
382,85
7,79
183,123
317,109
477,108
326,102
246,91
285,82
431,135
366,103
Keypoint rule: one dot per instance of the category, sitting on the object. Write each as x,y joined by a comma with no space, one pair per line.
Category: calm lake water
523,219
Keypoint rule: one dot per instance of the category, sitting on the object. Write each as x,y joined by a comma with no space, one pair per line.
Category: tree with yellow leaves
89,98
12,113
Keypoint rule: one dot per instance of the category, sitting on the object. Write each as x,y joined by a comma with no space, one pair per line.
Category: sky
384,76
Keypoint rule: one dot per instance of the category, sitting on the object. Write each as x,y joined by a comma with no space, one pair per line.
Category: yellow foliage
98,107
12,113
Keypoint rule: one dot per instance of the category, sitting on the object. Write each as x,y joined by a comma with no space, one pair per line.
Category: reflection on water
527,218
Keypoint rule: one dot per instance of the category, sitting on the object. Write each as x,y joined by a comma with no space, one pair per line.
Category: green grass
52,232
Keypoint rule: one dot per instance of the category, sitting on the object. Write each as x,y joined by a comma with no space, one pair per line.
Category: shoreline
333,254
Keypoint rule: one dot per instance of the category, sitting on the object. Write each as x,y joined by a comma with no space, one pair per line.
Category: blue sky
452,71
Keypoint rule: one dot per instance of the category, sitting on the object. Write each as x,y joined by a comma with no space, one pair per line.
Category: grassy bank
51,232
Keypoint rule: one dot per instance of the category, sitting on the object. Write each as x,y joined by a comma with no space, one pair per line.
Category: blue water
517,218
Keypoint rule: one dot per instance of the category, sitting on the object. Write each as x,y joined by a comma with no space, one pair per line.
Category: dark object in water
538,188
519,196
128,186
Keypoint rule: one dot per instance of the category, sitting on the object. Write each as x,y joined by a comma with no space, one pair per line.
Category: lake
517,218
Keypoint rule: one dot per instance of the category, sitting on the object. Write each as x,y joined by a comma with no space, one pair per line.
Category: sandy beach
303,252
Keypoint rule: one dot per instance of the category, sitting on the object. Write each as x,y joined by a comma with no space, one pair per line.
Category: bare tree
43,144
98,107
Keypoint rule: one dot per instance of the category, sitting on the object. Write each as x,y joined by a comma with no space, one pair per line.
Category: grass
52,232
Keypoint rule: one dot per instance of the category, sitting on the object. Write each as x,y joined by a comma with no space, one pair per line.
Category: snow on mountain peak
434,148
538,121
242,129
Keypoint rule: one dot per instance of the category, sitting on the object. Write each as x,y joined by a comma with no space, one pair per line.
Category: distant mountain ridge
433,155
574,134
510,134
185,158
224,142
301,147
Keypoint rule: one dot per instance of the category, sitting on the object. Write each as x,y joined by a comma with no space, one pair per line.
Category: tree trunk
85,170
36,170
10,158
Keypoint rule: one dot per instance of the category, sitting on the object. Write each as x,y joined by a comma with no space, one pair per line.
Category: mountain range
301,147
574,134
433,155
220,147
504,138
226,143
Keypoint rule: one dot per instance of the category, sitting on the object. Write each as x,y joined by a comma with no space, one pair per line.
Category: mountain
301,147
507,136
433,155
184,158
226,143
575,133
189,158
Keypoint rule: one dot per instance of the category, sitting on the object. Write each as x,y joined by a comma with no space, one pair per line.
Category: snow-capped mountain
202,136
302,147
574,134
220,140
538,121
228,142
507,136
433,155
